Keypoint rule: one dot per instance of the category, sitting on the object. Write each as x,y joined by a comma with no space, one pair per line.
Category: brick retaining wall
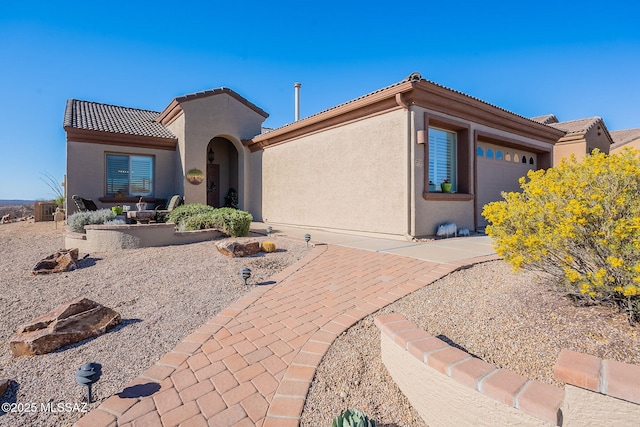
448,386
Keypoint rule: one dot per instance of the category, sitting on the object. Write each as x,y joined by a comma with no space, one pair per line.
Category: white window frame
443,142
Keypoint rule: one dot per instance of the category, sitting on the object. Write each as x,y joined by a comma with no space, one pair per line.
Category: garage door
499,169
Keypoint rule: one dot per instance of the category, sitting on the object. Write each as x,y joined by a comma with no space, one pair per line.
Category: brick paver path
253,363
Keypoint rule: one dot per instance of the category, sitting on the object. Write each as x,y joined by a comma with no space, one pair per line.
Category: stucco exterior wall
352,177
215,116
177,128
86,163
255,185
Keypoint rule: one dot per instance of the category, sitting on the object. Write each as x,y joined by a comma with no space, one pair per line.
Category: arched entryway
222,171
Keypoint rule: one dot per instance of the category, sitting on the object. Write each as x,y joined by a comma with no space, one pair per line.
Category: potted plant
117,209
446,186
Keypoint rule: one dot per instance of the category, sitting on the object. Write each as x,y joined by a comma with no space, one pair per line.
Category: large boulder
66,324
236,249
62,260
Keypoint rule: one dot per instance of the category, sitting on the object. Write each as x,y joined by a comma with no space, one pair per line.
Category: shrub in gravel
78,220
198,216
579,223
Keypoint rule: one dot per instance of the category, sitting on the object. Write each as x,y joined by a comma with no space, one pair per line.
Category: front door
213,185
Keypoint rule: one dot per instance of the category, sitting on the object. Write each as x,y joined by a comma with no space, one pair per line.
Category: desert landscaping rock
67,324
4,384
162,293
61,261
232,248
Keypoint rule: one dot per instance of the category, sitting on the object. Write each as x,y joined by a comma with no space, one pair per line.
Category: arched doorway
222,171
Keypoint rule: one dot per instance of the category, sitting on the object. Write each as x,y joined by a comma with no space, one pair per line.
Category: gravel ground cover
513,321
162,293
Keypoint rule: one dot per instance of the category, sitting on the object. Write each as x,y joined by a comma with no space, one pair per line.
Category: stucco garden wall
105,238
352,177
86,164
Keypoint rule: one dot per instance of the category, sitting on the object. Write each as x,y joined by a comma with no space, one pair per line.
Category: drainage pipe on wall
409,233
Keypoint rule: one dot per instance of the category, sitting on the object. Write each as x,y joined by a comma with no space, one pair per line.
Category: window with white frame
129,175
442,157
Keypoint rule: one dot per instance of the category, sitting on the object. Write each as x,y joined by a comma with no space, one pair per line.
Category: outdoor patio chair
84,205
163,211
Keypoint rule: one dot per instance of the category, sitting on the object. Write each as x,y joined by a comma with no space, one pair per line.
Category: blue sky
573,59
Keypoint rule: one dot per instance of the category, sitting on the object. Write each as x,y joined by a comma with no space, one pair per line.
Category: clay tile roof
217,91
111,118
577,126
622,137
546,119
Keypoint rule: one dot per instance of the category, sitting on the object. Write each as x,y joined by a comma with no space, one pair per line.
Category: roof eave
378,101
119,139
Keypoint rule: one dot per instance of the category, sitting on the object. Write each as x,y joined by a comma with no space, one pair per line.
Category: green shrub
353,418
198,217
180,214
235,222
202,221
579,223
78,220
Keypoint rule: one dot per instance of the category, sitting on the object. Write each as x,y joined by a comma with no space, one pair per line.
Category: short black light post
88,374
269,230
245,273
307,237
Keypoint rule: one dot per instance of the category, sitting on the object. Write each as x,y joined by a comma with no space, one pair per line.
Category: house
625,138
373,165
582,136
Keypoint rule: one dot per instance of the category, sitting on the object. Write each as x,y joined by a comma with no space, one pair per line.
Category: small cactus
353,418
268,247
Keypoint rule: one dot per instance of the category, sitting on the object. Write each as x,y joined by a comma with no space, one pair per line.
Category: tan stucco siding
177,128
86,164
216,116
352,177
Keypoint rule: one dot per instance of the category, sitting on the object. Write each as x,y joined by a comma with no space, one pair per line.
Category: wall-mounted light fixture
421,137
211,155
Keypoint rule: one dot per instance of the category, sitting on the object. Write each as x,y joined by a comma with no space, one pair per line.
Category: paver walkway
253,363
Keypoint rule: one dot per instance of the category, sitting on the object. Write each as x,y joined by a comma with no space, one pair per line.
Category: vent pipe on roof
297,87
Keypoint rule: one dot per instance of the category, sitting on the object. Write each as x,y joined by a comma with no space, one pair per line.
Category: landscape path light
88,374
269,230
245,273
307,237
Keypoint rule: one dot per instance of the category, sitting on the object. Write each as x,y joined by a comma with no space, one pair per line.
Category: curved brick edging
423,365
597,391
253,363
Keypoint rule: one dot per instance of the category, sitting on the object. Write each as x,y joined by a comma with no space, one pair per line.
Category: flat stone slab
68,323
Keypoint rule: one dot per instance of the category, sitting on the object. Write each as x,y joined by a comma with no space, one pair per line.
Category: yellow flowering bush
579,223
